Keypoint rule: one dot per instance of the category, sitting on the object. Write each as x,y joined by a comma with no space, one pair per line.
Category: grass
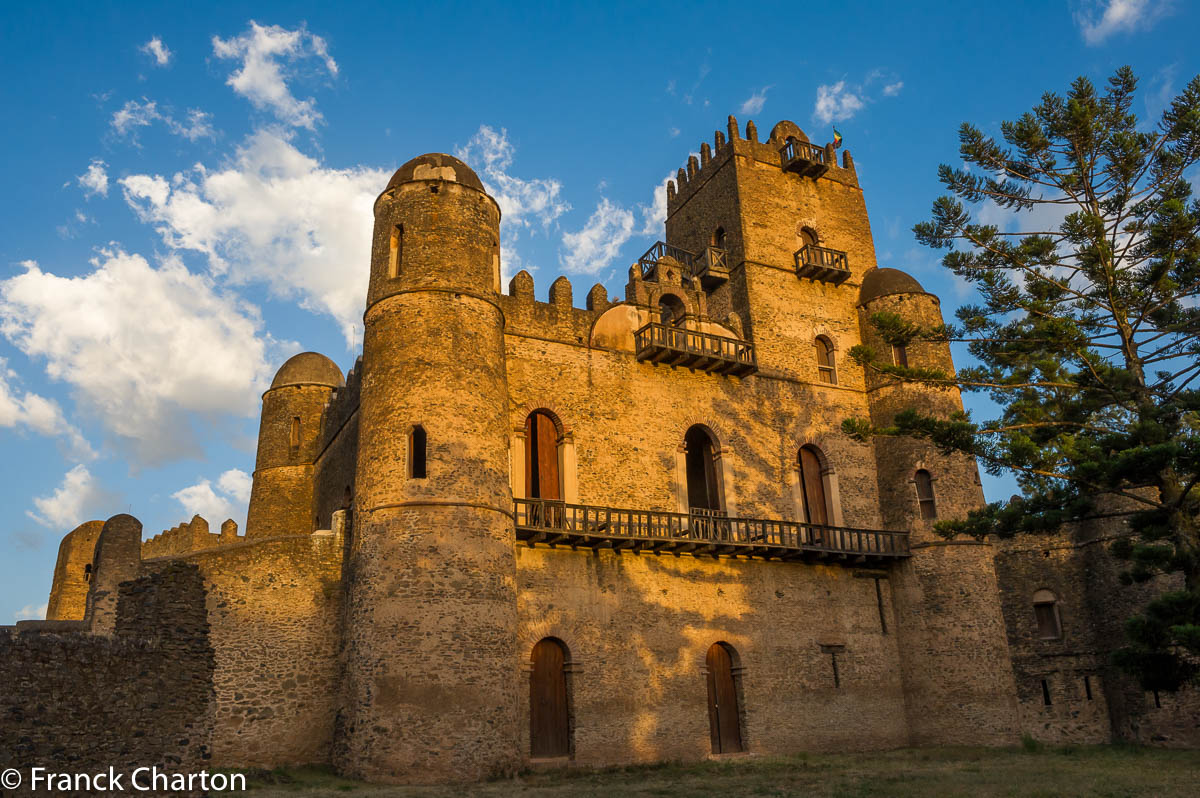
1036,771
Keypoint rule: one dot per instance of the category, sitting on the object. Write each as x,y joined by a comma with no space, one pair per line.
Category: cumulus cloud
892,89
39,414
1099,20
227,499
95,179
591,249
654,215
157,50
31,613
142,347
754,103
276,216
836,102
236,483
134,115
524,204
71,503
270,56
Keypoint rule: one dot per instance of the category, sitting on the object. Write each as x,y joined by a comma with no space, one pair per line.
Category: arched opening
925,498
826,363
805,237
812,483
1045,612
87,572
900,355
724,714
703,485
542,478
718,238
417,452
549,714
294,435
671,310
395,251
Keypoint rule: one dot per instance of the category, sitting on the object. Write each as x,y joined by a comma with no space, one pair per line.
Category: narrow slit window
925,497
1087,687
826,364
1045,693
900,355
417,452
879,603
294,438
396,251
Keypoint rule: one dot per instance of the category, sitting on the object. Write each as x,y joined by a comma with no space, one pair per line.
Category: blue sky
189,186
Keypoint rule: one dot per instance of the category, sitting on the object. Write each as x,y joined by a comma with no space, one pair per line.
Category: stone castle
521,532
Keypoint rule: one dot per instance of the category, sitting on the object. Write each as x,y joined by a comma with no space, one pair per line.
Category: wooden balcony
822,263
712,267
649,261
677,346
701,533
806,160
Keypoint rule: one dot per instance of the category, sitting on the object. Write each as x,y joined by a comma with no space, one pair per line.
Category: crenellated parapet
342,404
556,320
190,536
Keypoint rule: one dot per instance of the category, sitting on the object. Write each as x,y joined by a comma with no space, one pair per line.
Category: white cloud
200,499
654,215
142,347
273,215
31,613
755,102
593,248
269,57
892,89
95,179
236,483
39,414
70,504
1098,21
836,102
157,50
674,132
523,203
134,115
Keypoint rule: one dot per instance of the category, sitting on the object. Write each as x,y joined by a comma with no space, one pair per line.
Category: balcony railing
677,346
700,532
822,263
712,268
661,249
803,158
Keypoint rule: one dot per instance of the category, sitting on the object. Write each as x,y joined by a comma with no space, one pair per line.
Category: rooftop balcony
710,267
677,346
806,160
701,532
822,263
649,261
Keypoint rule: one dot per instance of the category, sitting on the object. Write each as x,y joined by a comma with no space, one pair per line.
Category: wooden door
541,458
723,721
549,733
814,487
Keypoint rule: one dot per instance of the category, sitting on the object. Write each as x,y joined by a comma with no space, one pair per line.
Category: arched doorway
812,482
671,310
724,716
549,717
541,457
703,486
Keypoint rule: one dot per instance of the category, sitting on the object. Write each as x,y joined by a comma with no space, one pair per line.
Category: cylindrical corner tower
431,666
281,499
958,678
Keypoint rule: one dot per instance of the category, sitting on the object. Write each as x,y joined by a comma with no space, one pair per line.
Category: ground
1033,770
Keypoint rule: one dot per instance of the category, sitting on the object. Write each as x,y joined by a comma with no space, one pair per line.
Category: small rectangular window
1045,693
900,355
1087,687
1047,621
395,251
416,452
879,603
294,438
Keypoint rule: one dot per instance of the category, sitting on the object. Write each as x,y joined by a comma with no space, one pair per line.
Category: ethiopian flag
837,138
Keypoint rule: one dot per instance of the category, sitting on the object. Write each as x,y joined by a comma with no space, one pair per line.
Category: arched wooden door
724,723
549,728
815,503
541,457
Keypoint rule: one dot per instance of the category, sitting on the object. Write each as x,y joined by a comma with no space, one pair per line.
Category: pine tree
1087,338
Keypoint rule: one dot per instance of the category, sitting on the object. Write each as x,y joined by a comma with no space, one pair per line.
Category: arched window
703,487
541,457
549,713
294,435
925,498
1045,612
395,251
417,452
718,238
826,364
900,355
87,572
812,482
805,237
724,714
671,310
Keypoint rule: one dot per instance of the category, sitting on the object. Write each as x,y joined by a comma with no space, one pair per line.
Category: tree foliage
1087,337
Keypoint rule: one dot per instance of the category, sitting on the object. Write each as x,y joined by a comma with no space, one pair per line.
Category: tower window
703,487
294,437
1046,693
671,310
826,364
395,251
925,494
1087,687
416,452
1045,612
900,355
87,572
541,457
718,238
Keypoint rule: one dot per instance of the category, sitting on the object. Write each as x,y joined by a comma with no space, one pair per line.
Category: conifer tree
1087,338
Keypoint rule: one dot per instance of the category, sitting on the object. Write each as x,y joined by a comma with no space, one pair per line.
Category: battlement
787,147
190,536
341,405
558,319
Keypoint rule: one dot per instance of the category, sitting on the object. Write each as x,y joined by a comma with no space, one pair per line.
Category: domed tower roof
436,166
308,368
881,282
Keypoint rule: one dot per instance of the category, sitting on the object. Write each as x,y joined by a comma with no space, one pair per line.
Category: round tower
431,662
954,651
281,499
73,573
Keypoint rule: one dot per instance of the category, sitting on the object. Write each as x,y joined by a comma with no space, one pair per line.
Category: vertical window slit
879,604
417,452
1045,693
1087,687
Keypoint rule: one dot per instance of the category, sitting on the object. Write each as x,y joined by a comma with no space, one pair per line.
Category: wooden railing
795,149
662,249
701,531
679,346
822,263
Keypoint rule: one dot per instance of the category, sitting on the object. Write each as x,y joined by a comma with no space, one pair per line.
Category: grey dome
436,166
881,282
309,368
